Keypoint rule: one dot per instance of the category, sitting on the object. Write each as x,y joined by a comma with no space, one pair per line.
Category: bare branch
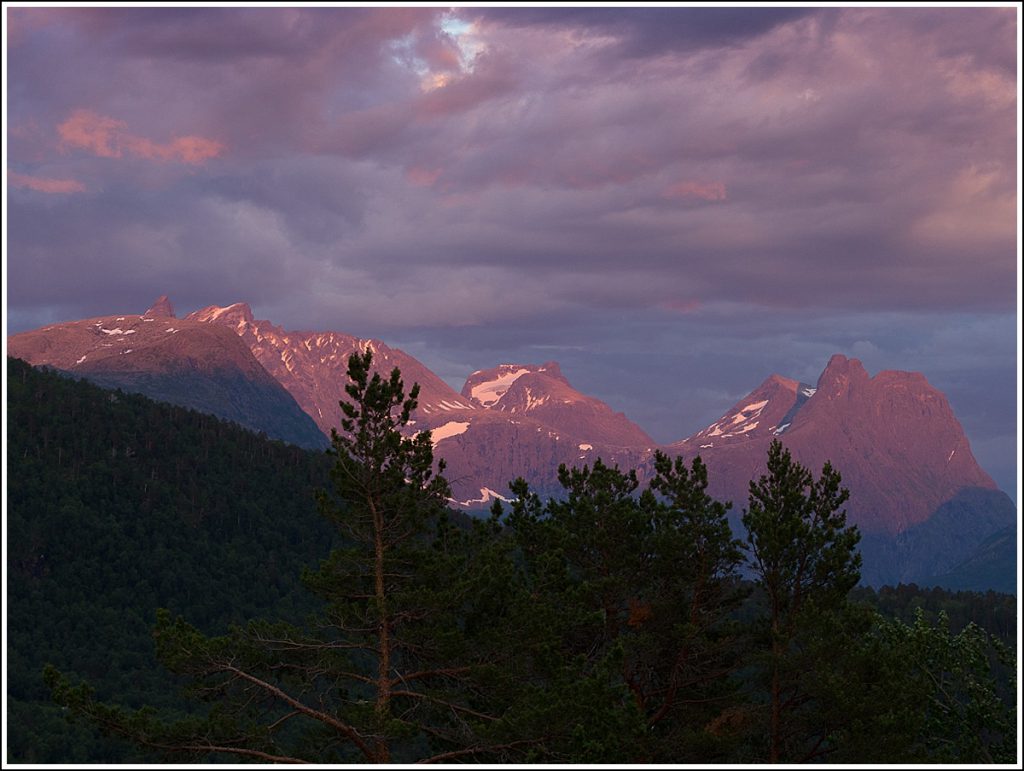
230,750
278,722
323,717
476,751
442,702
424,673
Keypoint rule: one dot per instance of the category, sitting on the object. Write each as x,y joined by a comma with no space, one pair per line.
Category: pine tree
691,640
580,560
643,584
397,666
961,712
805,559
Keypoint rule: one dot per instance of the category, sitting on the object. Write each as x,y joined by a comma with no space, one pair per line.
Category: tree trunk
774,749
383,706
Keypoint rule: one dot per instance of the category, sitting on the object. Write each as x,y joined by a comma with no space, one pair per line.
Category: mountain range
921,500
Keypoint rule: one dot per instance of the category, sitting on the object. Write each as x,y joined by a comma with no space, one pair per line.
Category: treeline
994,612
609,626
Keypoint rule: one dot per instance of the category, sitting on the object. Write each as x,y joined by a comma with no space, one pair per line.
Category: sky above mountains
672,202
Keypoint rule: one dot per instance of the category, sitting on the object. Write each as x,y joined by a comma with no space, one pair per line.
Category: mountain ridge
174,360
311,365
894,437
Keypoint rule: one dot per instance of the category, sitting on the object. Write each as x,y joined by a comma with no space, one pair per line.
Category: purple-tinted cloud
45,184
872,138
651,31
108,138
486,173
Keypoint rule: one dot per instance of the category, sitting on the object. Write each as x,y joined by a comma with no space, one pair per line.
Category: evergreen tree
918,693
691,638
644,584
579,566
958,711
805,559
386,497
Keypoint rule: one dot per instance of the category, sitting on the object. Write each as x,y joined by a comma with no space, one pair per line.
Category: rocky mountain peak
232,315
312,365
543,393
489,387
486,387
784,382
161,308
840,375
552,369
766,411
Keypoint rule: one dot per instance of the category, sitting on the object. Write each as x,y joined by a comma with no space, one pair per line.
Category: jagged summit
785,382
232,315
893,436
487,387
840,376
544,393
766,411
311,365
202,366
162,308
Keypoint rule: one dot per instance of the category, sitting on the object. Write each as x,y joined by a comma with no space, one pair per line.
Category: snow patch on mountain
740,422
221,311
238,313
486,495
532,402
448,430
488,392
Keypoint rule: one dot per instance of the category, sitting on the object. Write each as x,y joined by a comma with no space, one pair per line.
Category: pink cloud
461,94
90,131
44,185
707,191
421,176
109,138
190,149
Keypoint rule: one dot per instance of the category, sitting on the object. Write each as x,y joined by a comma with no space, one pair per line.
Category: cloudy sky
673,203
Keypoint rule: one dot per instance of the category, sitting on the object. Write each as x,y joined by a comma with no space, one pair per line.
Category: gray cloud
652,31
698,197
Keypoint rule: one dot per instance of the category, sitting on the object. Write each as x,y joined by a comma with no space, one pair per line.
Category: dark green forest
180,589
117,506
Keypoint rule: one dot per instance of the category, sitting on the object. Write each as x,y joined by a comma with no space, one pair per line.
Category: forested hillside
117,506
607,626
